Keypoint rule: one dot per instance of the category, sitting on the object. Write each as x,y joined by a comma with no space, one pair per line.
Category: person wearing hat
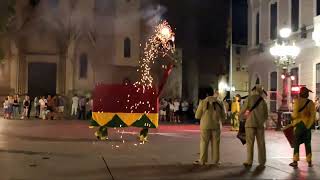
210,112
303,117
256,110
235,110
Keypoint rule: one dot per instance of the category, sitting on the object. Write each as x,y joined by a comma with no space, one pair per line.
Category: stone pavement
45,150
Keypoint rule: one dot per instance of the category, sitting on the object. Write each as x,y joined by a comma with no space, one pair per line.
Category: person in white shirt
184,108
42,103
171,111
5,108
75,104
176,105
163,113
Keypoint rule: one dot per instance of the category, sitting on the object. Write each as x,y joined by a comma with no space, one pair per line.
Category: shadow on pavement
179,171
50,139
45,154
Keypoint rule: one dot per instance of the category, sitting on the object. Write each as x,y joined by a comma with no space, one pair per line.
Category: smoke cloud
153,14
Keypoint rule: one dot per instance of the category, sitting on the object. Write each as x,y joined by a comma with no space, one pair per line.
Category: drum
289,133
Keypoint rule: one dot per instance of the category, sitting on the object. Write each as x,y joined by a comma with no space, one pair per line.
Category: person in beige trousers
256,111
210,112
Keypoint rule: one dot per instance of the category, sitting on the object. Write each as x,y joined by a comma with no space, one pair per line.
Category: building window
257,29
238,50
273,91
295,72
127,48
273,21
83,66
257,81
295,6
318,7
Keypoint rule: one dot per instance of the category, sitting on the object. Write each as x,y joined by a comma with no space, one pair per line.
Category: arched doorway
42,78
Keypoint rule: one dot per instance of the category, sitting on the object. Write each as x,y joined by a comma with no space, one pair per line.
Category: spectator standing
26,104
82,108
61,104
50,104
89,108
37,107
29,108
235,110
171,111
10,107
176,105
75,105
163,113
6,107
15,107
43,107
184,108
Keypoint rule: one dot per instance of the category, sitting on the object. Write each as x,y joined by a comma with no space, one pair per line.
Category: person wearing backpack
303,117
211,113
256,110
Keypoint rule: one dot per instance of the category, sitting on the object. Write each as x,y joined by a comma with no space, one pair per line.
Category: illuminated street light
285,32
285,54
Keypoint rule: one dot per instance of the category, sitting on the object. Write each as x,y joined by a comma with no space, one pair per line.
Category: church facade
66,47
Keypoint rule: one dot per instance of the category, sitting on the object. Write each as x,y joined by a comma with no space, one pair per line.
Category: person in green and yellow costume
235,110
303,117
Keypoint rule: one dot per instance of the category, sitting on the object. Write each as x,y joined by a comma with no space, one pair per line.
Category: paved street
35,149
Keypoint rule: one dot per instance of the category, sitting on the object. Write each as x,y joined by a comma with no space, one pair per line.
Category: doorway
42,79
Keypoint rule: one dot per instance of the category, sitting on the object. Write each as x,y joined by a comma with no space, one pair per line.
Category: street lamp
285,54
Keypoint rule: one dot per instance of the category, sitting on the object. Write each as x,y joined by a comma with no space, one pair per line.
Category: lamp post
285,54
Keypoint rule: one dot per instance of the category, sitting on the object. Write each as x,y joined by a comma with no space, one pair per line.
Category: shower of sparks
159,44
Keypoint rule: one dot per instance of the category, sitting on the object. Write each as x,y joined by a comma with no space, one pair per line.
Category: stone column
69,81
62,74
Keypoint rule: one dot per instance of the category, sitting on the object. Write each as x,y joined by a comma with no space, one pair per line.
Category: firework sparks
159,44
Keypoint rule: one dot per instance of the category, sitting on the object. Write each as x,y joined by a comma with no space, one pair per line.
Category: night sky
207,19
210,20
240,21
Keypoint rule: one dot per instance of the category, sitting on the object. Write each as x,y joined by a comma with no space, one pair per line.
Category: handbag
242,133
288,132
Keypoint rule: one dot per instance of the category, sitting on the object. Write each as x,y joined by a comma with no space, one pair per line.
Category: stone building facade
265,19
67,46
240,73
